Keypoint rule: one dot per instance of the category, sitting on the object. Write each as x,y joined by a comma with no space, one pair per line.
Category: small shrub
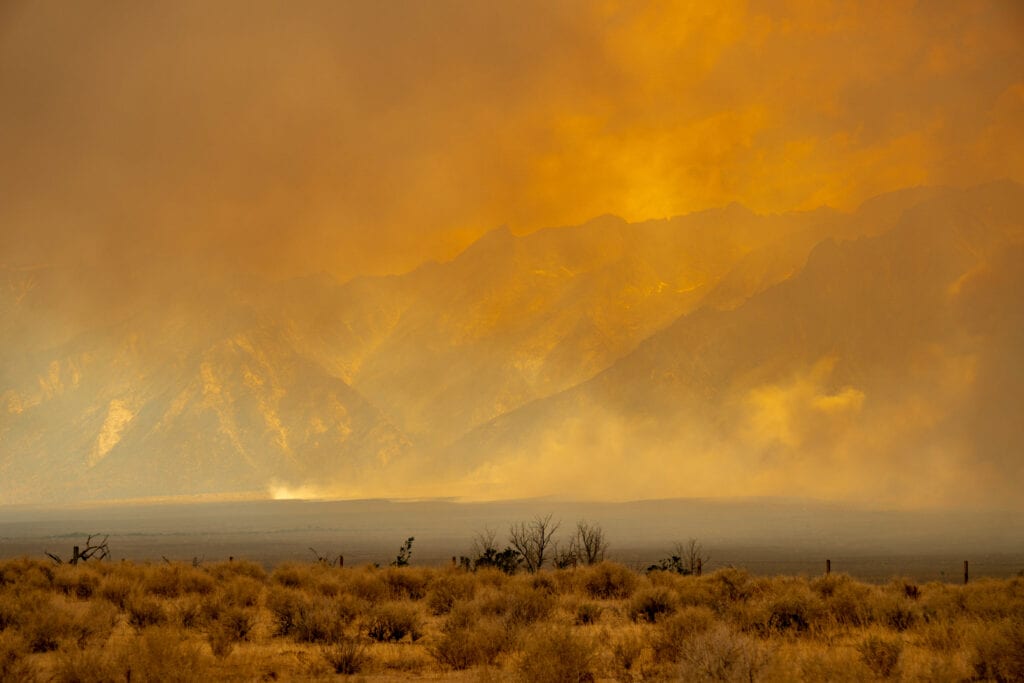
237,622
610,581
346,657
404,583
92,665
292,575
191,612
649,604
463,644
881,655
588,613
792,608
224,572
285,605
96,624
117,590
732,585
14,666
449,589
392,622
44,628
849,604
523,606
318,622
626,651
557,655
162,654
144,610
998,652
722,655
896,612
674,630
75,582
368,585
220,640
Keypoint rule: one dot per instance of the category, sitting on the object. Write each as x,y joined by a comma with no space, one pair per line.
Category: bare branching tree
485,543
532,540
692,555
93,548
590,543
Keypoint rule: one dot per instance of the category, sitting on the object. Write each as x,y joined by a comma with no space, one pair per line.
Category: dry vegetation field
122,621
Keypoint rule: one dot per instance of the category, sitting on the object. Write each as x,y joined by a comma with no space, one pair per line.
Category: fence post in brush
965,572
828,567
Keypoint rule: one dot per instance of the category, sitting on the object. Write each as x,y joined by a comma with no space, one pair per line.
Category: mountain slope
876,356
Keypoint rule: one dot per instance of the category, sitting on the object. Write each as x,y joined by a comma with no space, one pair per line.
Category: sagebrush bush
405,583
162,654
241,591
172,580
114,621
393,621
145,610
285,605
347,656
651,603
14,665
319,621
117,590
674,630
76,581
44,626
467,642
998,652
881,655
449,588
557,655
588,613
722,654
609,581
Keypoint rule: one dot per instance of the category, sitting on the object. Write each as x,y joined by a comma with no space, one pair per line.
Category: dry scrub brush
235,621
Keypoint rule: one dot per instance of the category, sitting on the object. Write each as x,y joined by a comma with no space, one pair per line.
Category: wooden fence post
828,567
74,555
965,572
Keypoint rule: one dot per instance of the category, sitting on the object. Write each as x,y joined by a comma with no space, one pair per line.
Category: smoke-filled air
597,251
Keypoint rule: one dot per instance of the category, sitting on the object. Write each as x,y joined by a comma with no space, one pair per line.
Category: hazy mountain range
877,355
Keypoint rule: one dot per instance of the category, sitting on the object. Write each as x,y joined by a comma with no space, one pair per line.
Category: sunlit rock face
723,352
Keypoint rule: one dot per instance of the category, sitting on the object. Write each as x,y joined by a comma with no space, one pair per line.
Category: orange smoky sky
366,137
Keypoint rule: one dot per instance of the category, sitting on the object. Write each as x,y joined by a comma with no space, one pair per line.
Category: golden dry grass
235,622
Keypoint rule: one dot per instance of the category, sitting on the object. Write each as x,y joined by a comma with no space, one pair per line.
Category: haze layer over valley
873,355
